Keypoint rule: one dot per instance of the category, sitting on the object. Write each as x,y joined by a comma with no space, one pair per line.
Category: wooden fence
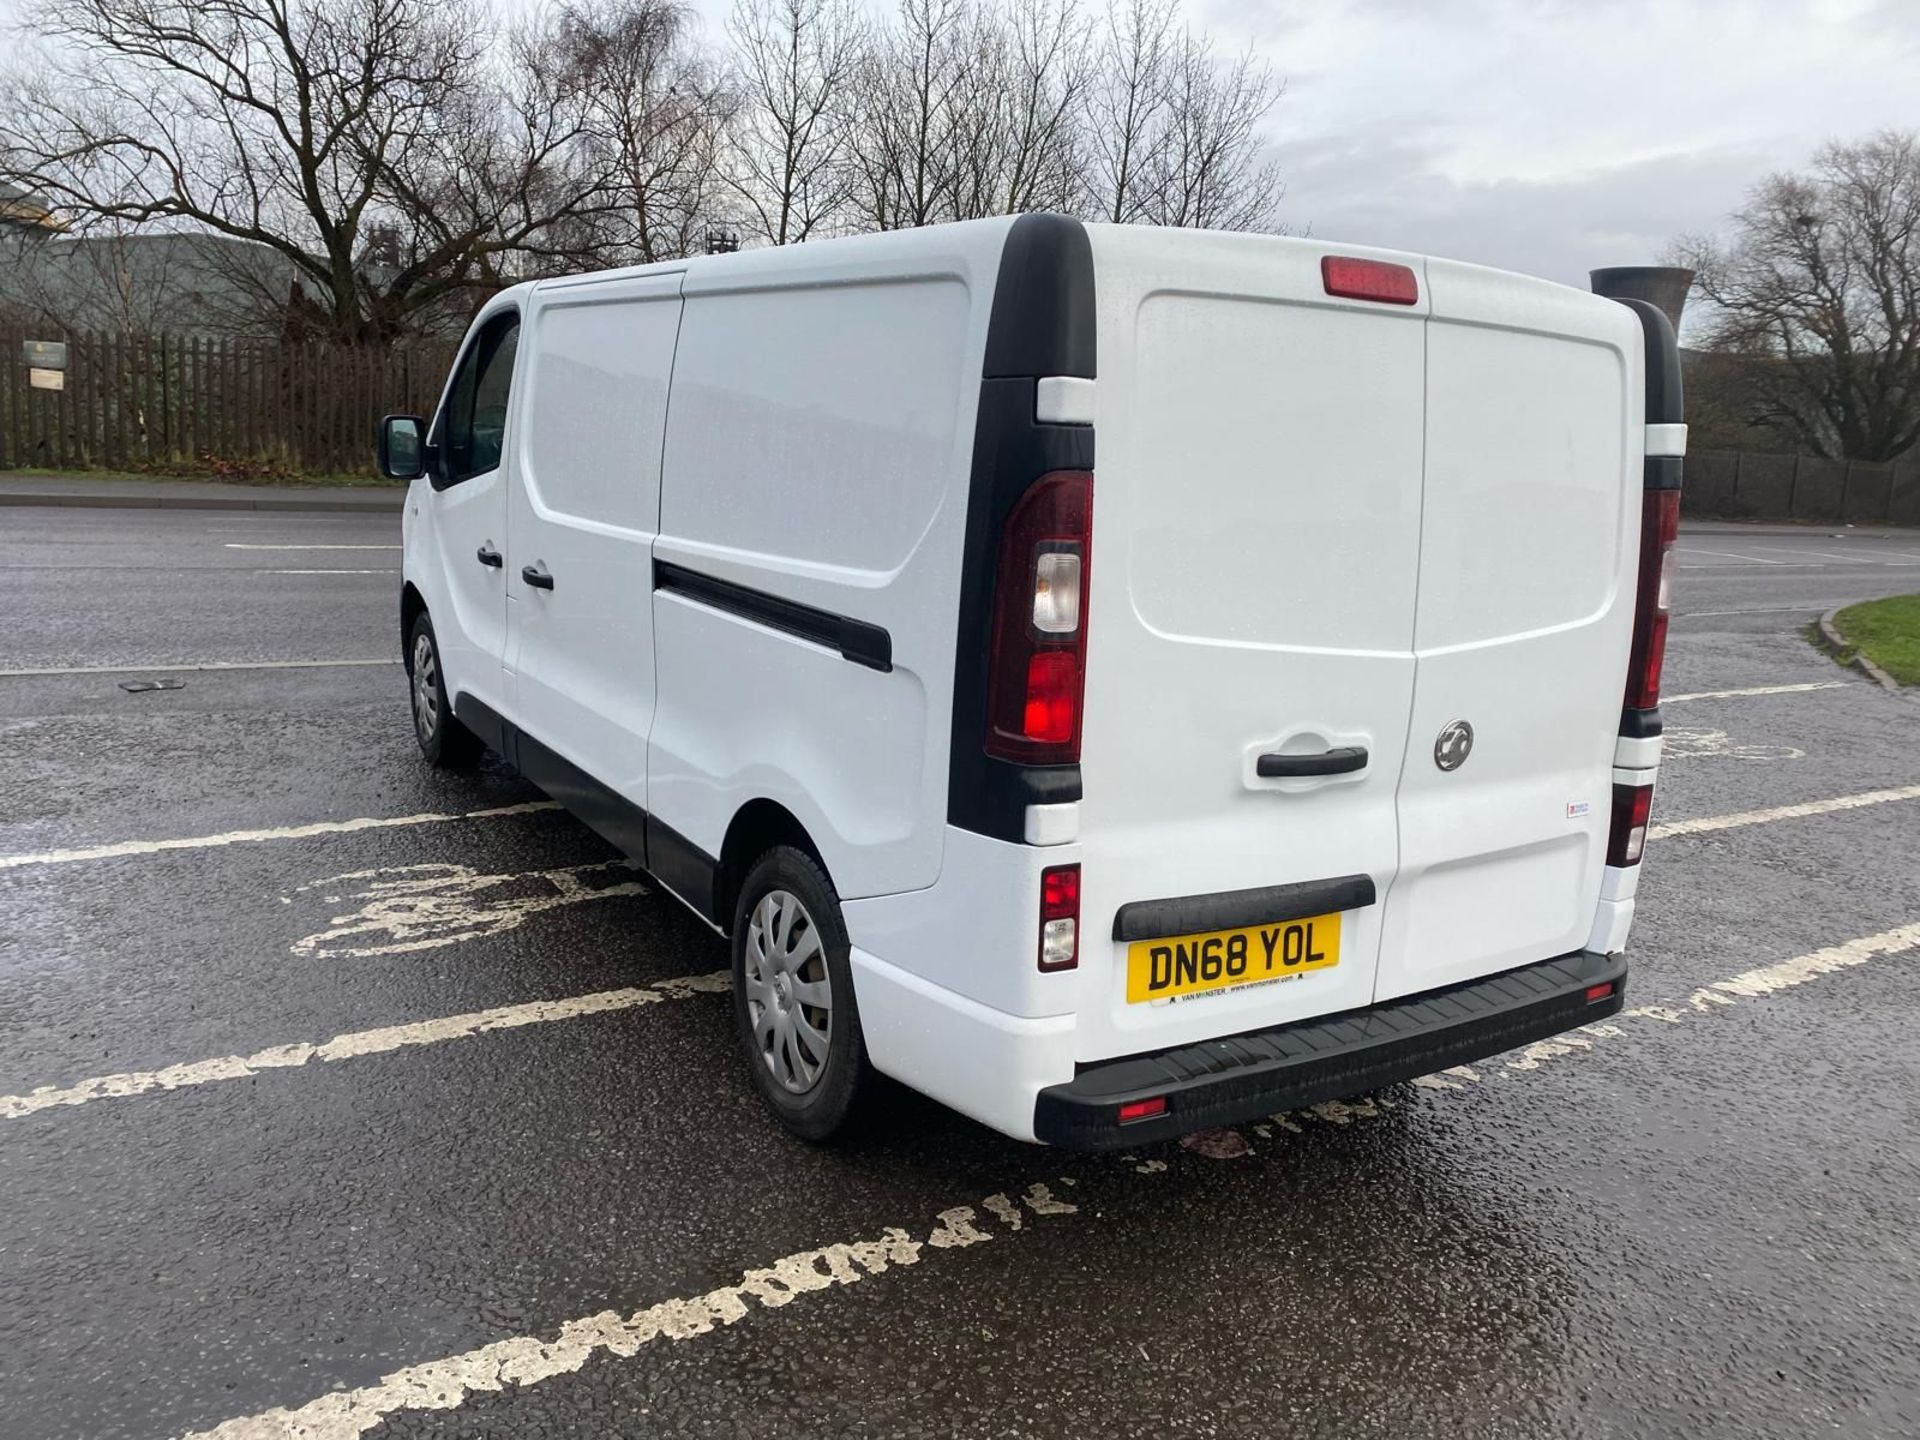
1746,485
209,404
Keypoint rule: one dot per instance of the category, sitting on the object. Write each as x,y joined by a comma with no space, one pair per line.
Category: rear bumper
1243,1077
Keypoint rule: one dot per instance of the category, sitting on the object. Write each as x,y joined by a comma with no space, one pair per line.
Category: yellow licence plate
1194,964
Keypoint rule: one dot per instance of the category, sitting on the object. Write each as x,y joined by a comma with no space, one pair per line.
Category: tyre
793,996
445,742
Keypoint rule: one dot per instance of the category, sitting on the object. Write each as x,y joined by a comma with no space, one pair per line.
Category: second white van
1117,681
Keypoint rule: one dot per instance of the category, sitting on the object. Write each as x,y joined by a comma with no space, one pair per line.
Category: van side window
474,424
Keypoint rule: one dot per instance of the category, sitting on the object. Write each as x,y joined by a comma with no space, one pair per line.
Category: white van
1116,681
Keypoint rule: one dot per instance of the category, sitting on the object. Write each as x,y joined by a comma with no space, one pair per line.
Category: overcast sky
1549,136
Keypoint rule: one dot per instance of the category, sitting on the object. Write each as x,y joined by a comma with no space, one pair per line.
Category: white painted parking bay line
198,665
1759,690
1707,823
282,832
238,545
354,1044
524,1360
527,1359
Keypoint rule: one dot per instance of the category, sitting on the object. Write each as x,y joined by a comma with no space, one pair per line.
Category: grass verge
1887,632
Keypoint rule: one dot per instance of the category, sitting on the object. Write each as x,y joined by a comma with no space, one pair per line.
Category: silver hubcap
789,994
426,687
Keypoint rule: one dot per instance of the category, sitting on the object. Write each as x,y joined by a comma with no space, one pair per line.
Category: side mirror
403,447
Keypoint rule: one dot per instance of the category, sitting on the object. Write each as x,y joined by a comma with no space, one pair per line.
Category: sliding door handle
537,576
489,557
1343,760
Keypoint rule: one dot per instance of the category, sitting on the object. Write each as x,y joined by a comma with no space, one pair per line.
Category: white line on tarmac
1811,605
354,1044
281,832
1758,690
198,666
240,545
1730,555
525,1360
1706,823
326,572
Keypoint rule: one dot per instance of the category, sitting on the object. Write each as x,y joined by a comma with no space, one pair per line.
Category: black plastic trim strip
1663,472
1233,909
1243,1077
1640,724
680,866
483,720
856,640
1666,403
1042,325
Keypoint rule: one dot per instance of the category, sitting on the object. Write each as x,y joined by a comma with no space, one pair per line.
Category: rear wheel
793,996
443,739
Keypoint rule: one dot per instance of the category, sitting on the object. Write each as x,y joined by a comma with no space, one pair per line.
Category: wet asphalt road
1702,1222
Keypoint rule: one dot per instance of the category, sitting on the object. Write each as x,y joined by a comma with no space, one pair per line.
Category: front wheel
793,996
443,739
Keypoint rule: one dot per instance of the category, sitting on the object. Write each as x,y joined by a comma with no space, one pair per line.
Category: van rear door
1255,554
1528,556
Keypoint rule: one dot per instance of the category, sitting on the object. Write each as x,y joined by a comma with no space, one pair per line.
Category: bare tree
1818,293
653,113
1125,108
1209,169
902,154
298,128
1013,122
796,62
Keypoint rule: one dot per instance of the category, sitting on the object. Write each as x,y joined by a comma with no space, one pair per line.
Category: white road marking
1729,555
1811,605
1707,823
199,665
1681,742
1758,690
326,572
423,907
281,832
527,1360
354,1044
238,545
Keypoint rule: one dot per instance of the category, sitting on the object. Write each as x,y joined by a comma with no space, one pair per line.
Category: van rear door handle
536,575
489,557
1342,760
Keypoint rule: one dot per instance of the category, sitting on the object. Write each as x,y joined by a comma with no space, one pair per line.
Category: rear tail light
1060,917
1037,672
1353,279
1632,804
1143,1109
1597,993
1659,528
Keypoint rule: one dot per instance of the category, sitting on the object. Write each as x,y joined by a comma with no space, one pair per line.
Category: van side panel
816,464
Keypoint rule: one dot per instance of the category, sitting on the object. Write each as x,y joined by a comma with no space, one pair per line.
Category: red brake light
1060,917
1354,279
1627,837
1599,992
1659,528
1037,670
1143,1109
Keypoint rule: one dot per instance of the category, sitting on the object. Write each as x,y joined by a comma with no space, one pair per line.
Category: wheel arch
756,828
412,605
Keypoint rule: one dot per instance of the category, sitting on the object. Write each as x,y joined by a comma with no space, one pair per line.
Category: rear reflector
1353,279
1659,528
1143,1109
1632,804
1060,917
1599,992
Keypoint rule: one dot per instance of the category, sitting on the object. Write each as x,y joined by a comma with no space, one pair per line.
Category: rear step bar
1334,1057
